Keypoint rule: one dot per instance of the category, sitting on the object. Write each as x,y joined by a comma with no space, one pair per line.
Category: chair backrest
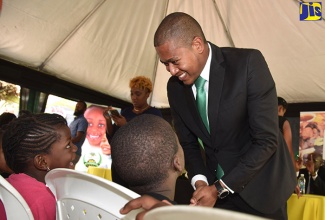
14,204
85,196
196,212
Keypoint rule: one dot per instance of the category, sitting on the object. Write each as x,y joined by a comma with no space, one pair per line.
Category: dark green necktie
201,106
201,100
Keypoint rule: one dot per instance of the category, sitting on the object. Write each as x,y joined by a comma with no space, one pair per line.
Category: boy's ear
40,162
177,164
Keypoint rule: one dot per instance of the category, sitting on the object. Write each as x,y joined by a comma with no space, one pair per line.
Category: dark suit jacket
317,186
243,121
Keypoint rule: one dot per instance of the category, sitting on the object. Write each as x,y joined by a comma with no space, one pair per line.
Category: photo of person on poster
96,148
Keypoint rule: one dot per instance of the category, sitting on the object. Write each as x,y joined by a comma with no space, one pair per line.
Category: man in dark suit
241,139
314,174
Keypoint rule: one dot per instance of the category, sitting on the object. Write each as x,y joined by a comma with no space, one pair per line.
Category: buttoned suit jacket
244,136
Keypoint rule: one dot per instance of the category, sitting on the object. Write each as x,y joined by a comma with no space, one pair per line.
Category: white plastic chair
84,196
15,205
196,212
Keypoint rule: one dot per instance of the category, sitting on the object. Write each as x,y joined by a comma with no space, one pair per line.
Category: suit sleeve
262,122
192,152
319,182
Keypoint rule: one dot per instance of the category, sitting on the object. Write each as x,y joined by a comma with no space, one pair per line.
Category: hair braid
28,136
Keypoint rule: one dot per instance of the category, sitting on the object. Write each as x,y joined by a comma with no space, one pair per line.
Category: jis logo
310,11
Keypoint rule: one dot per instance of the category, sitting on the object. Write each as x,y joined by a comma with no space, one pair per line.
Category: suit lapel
217,74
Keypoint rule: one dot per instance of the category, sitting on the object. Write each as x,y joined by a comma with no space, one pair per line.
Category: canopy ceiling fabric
102,44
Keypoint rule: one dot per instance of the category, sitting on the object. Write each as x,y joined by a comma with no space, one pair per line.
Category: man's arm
263,123
319,184
204,195
189,142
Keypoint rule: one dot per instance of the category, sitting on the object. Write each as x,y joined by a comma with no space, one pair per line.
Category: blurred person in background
78,127
140,90
284,126
6,117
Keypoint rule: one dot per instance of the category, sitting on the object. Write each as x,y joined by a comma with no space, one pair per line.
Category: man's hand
297,190
145,202
298,163
204,196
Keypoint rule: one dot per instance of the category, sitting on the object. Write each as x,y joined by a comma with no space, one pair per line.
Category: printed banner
311,139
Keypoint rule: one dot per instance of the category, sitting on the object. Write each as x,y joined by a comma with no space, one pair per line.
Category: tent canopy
101,44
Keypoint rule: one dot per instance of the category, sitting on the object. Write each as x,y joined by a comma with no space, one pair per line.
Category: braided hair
29,135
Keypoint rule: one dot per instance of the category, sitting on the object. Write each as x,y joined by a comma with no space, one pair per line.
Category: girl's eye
68,146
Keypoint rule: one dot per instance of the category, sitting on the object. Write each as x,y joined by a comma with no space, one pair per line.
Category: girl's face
63,151
96,125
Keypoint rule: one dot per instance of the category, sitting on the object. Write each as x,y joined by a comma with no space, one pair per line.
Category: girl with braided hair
32,146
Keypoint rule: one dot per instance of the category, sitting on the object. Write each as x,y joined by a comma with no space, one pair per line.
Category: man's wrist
221,190
198,177
314,175
200,183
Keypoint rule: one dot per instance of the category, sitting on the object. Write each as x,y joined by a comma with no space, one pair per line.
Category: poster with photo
96,150
311,137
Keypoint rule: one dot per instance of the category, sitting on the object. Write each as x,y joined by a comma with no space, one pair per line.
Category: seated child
32,146
148,157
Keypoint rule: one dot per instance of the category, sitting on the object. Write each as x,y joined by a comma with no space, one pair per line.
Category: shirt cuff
314,177
198,177
230,190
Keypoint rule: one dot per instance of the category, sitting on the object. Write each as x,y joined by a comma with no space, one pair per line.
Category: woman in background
140,89
285,127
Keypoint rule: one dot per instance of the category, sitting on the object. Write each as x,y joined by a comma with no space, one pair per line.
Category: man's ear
40,162
198,44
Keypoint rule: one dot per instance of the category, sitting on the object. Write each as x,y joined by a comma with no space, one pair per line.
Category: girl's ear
40,162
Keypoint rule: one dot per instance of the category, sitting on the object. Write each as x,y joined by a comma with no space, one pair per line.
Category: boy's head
146,153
